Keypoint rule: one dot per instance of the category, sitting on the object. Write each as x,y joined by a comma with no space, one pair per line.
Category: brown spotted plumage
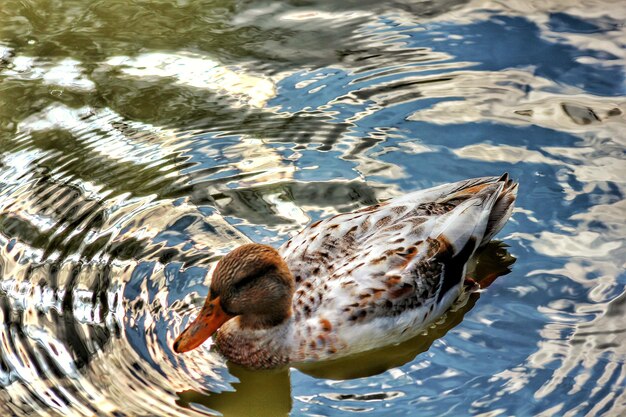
355,281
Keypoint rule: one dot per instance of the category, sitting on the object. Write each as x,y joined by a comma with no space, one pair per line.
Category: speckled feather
372,277
384,272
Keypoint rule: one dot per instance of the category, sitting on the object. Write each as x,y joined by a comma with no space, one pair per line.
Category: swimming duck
352,282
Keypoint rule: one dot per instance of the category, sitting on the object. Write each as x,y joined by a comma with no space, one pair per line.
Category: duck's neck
257,347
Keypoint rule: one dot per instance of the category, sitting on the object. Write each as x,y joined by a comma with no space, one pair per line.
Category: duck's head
252,282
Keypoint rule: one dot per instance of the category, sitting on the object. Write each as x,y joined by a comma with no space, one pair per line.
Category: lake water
140,141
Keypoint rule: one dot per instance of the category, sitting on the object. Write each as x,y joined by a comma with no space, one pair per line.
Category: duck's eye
253,276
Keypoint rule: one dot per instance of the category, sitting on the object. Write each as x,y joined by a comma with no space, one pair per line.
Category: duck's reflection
268,392
258,393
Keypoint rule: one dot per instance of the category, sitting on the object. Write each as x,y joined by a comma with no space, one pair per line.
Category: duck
352,282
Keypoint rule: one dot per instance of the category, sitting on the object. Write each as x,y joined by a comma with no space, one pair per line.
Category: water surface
140,141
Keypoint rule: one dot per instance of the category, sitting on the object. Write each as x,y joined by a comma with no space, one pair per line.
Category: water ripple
139,142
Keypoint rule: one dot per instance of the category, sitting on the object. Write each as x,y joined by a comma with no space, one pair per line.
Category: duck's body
359,280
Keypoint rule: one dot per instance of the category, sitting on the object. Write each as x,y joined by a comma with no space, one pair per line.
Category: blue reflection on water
540,338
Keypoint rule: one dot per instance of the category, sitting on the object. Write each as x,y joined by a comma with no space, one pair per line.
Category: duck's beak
210,319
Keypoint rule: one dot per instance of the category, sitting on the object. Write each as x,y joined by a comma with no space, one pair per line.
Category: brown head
252,282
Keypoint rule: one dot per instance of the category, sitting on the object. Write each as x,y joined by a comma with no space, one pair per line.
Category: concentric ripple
141,141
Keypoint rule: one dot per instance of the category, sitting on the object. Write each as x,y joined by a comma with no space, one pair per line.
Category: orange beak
210,319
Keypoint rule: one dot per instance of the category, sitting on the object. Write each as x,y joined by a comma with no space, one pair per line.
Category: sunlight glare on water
141,141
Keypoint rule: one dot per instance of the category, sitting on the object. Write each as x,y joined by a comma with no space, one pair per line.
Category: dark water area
141,141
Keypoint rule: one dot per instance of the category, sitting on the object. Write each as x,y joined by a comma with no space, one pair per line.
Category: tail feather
461,231
483,205
501,210
469,219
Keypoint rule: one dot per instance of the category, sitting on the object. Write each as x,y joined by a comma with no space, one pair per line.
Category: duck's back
379,275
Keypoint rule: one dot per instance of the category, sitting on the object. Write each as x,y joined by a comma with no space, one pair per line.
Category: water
140,141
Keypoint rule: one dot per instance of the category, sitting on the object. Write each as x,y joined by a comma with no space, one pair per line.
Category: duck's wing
324,246
404,255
